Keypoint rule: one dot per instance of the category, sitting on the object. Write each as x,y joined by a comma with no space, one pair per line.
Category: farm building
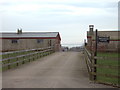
111,45
30,40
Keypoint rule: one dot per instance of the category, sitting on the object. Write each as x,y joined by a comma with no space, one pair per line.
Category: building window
50,42
14,41
40,41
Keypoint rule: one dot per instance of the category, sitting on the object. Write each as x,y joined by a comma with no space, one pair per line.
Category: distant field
109,71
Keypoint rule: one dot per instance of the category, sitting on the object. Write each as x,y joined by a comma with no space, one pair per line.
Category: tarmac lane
58,70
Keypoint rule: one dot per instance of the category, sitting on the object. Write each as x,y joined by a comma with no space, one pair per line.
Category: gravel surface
58,70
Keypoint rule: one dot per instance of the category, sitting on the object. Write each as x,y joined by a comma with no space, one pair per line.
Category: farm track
58,70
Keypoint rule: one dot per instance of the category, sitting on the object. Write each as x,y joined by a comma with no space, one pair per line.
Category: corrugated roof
30,34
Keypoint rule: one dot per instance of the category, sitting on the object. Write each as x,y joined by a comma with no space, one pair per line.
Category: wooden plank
88,62
86,55
89,67
104,75
106,66
17,56
88,52
22,56
3,53
107,58
15,62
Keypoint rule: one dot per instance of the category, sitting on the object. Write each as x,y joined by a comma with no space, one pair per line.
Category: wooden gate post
95,54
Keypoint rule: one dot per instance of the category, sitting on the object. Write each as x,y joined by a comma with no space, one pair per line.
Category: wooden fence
107,68
13,59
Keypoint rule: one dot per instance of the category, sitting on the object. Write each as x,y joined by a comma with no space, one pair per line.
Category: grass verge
110,71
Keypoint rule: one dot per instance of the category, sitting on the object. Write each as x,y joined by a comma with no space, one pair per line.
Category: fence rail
27,56
104,71
11,52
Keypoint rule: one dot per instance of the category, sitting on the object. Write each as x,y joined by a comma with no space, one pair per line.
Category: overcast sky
69,17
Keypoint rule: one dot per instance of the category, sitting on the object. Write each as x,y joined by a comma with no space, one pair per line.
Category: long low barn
30,40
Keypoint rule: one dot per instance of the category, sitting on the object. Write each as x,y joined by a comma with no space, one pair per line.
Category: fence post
29,57
33,57
23,60
8,63
92,59
95,54
17,61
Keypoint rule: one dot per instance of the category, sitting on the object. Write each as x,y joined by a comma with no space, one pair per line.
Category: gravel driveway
58,70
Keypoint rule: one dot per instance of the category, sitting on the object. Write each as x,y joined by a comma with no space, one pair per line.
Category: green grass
108,54
108,62
108,71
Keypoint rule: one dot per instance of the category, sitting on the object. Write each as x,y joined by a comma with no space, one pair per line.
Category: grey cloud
90,4
96,5
6,4
60,10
